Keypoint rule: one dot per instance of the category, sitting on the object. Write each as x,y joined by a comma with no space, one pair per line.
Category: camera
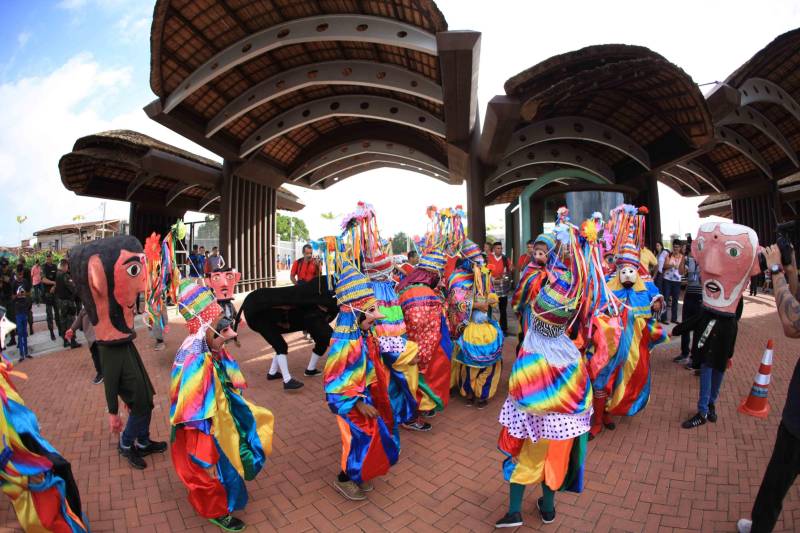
787,237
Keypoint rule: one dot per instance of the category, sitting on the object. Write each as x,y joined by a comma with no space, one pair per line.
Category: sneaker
52,335
312,373
428,414
292,384
272,377
98,379
680,359
470,402
66,343
482,404
153,446
74,345
160,346
228,523
417,425
509,520
712,413
610,425
547,518
133,457
350,490
744,525
366,486
696,420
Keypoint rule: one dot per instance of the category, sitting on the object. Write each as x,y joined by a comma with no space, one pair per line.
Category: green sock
548,499
515,493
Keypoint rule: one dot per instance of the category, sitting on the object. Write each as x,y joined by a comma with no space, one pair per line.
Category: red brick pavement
648,475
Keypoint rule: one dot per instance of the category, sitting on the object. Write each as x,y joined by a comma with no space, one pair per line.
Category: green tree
209,230
400,243
284,228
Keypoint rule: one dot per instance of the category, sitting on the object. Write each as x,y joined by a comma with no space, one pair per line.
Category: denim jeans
672,290
692,303
22,333
137,429
710,382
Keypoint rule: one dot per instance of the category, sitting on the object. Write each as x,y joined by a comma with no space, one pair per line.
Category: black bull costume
309,307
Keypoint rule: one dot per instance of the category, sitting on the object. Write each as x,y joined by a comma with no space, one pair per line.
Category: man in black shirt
65,302
49,271
784,465
6,300
21,291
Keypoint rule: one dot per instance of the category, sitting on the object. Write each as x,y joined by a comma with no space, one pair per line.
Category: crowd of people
591,299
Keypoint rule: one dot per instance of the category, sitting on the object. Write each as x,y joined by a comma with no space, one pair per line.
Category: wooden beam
502,116
459,57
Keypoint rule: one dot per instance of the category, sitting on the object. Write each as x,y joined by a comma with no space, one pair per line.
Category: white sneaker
744,525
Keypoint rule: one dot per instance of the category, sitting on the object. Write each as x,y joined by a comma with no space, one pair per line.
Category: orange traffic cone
756,403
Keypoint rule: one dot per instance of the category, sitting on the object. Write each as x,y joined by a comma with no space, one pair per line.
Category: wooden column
758,212
247,229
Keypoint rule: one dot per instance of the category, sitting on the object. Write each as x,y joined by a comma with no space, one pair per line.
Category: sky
71,68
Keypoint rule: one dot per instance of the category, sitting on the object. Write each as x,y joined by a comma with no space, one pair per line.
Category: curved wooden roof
129,166
186,34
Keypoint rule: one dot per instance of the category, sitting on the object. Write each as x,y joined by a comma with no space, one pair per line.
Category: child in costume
620,354
728,257
478,346
219,438
423,311
546,416
223,283
36,478
109,274
531,279
353,388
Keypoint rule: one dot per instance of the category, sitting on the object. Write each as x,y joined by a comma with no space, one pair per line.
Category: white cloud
134,27
23,38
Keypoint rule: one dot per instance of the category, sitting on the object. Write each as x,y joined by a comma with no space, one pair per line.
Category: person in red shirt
305,269
525,258
501,270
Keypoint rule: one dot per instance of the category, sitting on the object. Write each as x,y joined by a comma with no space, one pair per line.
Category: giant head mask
223,283
727,254
109,274
628,265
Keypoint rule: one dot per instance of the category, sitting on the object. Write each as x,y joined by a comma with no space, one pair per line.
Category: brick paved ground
648,475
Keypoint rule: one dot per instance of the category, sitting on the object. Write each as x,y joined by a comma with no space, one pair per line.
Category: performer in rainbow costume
422,302
531,279
620,352
397,364
547,413
219,439
36,478
478,340
356,389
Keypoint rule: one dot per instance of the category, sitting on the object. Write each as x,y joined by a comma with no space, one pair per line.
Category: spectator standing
692,302
525,258
36,282
784,464
288,261
306,268
158,327
21,290
215,261
83,323
6,295
674,268
65,301
501,270
661,257
50,270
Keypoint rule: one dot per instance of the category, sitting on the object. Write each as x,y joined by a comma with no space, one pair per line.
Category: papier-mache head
109,274
223,283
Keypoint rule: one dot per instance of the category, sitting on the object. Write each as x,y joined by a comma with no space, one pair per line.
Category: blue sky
75,67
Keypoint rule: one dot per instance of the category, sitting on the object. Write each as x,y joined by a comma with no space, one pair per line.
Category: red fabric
305,269
376,463
48,508
206,494
499,266
508,443
379,389
449,267
437,375
524,259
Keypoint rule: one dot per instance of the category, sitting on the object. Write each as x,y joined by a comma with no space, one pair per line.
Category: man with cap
622,385
423,311
351,386
219,438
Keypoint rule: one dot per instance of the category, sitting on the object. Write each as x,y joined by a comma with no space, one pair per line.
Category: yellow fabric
425,403
647,259
410,371
455,370
224,428
480,334
546,460
26,513
478,380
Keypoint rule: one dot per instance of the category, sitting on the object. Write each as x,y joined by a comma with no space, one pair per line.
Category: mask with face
727,255
109,274
6,327
628,276
223,283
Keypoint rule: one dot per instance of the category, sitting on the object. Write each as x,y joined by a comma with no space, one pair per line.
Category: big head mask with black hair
109,274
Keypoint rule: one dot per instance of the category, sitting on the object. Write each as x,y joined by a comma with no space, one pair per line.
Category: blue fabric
51,480
234,485
137,429
710,382
246,425
360,442
24,421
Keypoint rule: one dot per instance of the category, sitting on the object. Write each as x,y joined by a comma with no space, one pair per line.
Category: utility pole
103,226
291,235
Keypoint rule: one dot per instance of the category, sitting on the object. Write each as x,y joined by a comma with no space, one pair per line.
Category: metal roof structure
129,166
311,92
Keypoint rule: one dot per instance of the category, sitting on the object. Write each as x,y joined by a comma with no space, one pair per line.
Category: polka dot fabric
207,316
551,426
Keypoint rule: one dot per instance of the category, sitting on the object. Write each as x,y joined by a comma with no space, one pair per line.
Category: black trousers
502,306
96,358
52,313
691,304
778,479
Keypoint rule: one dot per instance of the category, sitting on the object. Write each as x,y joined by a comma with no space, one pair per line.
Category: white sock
273,368
284,364
312,363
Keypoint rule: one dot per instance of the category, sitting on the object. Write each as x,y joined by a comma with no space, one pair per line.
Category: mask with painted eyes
370,316
628,276
109,274
727,255
223,283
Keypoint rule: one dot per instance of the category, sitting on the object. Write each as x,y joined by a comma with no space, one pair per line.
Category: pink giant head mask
223,283
727,254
